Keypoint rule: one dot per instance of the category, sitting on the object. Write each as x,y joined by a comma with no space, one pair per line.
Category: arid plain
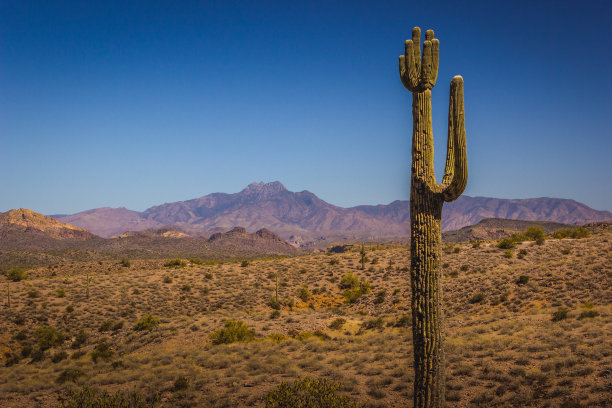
529,326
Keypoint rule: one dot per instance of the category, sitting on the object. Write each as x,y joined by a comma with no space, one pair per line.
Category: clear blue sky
139,103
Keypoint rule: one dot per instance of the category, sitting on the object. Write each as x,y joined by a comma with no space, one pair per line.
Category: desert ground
525,327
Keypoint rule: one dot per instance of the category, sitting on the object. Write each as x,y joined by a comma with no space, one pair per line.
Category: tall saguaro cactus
419,75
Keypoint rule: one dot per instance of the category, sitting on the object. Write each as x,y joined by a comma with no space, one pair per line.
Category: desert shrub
579,232
376,323
304,294
59,356
186,287
167,279
244,264
276,337
274,304
523,279
464,268
508,253
588,305
69,374
355,288
80,339
533,233
476,244
47,337
477,297
337,323
380,297
177,262
403,321
453,274
33,293
105,326
560,314
522,254
196,261
101,351
506,243
16,274
146,322
125,263
91,398
10,359
308,393
275,314
456,250
60,292
233,331
350,280
181,383
588,314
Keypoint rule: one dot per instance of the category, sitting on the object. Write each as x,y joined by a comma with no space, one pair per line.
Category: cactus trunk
426,200
425,236
8,293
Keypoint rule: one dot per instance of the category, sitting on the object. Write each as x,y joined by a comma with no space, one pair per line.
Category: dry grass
502,350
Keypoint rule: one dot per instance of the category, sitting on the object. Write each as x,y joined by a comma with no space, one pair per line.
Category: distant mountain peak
264,188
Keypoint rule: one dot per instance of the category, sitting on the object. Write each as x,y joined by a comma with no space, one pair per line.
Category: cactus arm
429,81
456,173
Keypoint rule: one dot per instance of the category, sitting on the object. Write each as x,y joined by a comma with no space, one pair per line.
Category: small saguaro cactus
418,74
8,293
88,280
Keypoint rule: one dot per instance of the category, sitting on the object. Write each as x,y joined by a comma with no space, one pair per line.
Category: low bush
69,374
588,314
177,263
147,322
304,294
477,297
233,331
101,351
506,243
91,398
16,274
181,383
337,323
308,393
560,314
47,337
579,232
125,263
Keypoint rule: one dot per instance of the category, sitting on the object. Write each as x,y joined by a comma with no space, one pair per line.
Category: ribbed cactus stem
426,200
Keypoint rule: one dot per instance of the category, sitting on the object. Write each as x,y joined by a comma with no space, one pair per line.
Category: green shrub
90,398
233,331
275,314
506,243
196,261
334,261
508,253
16,274
126,263
308,393
244,264
337,323
274,304
355,288
579,232
304,294
560,314
350,280
101,351
177,262
146,322
80,339
60,292
47,337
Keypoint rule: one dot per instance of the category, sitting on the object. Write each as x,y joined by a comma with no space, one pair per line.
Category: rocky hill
302,217
23,227
496,228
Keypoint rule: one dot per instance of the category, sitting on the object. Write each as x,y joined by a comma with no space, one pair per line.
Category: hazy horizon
121,104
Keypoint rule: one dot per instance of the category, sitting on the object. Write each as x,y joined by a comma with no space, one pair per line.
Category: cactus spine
418,74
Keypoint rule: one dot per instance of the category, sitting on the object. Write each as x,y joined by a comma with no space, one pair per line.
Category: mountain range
302,217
